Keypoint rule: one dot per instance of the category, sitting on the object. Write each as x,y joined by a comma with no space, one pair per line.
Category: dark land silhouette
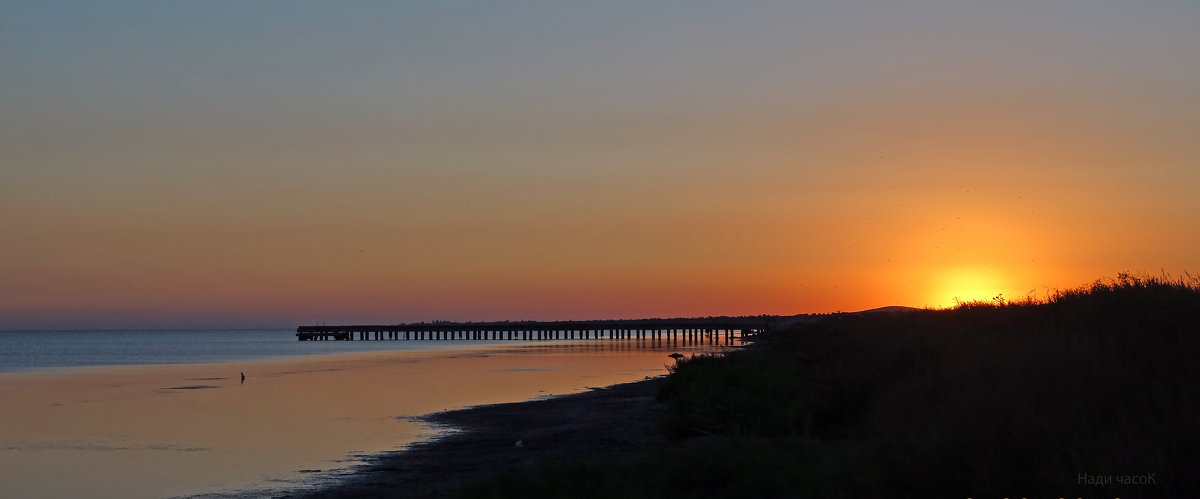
1091,393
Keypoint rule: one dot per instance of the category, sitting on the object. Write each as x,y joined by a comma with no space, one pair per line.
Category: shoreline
477,442
194,430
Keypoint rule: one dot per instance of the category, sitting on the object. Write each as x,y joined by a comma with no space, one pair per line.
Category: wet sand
611,423
154,431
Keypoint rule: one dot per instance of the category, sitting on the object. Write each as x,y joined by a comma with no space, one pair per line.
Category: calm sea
40,350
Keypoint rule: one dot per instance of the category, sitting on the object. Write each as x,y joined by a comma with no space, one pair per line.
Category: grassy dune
1092,392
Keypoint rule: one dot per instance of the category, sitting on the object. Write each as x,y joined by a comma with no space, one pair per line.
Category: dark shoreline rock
610,422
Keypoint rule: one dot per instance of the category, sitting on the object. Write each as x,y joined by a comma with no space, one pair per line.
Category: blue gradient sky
274,163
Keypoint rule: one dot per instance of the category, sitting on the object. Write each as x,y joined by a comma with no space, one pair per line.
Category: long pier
690,329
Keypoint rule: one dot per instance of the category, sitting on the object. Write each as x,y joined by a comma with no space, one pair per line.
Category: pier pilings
688,330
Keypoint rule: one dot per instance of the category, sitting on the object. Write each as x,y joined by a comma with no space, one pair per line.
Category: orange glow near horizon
968,284
598,162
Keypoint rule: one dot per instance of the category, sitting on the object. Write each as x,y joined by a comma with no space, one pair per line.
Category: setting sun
966,284
901,208
591,164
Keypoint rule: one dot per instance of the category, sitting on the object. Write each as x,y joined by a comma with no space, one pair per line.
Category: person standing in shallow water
243,377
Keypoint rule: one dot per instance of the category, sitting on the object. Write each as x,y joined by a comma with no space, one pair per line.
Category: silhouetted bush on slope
1017,399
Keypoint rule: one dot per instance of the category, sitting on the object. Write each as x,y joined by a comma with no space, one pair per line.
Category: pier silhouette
686,329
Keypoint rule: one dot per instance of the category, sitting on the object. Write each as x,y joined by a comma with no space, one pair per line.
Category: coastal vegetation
1089,392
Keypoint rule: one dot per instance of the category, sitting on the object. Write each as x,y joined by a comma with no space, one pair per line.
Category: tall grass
995,399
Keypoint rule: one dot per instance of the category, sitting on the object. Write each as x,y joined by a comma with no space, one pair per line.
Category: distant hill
893,308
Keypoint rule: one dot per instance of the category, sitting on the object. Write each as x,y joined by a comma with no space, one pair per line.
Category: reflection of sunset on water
175,167
194,428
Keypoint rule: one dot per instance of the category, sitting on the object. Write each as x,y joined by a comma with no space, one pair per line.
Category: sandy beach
172,430
610,422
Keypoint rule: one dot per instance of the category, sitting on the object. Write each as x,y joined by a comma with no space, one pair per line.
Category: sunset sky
272,163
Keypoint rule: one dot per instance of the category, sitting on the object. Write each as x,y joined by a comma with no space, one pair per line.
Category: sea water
133,414
22,351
